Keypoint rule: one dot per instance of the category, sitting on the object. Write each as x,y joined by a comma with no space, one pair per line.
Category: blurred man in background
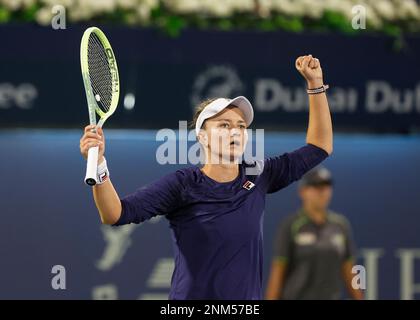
314,250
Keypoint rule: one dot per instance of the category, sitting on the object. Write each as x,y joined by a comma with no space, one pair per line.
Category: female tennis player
216,211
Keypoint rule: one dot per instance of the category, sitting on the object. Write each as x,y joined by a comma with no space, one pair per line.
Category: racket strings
99,73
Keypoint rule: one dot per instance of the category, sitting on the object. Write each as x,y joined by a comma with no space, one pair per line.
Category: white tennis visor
220,104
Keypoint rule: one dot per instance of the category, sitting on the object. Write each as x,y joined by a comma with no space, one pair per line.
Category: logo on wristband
103,177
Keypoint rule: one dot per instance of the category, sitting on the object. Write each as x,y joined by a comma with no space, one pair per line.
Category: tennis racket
102,86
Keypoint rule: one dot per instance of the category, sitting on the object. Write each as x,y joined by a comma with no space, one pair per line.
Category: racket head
100,74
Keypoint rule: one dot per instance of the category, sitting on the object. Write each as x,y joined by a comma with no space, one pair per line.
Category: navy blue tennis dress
217,227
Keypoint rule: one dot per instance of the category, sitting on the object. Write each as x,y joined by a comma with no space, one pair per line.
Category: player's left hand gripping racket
102,86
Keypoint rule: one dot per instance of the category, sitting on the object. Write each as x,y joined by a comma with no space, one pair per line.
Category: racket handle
92,166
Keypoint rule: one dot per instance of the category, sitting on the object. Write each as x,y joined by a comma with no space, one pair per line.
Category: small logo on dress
248,185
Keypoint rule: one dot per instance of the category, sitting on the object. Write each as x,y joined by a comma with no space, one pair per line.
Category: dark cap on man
318,176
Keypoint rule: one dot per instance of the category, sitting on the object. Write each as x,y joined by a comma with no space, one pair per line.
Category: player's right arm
106,198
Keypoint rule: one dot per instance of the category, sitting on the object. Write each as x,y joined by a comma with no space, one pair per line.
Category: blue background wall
177,72
48,216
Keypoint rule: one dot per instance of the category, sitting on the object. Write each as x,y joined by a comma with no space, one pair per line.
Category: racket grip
92,166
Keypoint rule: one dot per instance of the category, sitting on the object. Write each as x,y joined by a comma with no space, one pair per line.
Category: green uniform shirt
314,255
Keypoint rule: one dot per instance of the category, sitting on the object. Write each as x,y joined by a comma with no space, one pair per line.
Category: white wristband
102,173
318,90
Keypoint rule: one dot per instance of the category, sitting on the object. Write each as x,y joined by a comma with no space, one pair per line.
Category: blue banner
373,86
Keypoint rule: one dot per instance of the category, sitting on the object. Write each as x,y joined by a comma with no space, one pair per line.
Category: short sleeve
158,198
350,246
282,170
283,242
